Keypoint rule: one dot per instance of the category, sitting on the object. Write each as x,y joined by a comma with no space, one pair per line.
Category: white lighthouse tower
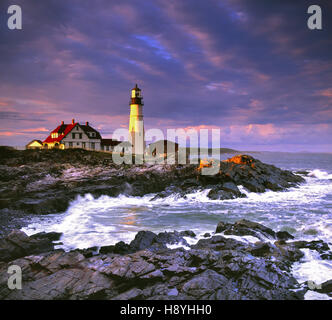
136,125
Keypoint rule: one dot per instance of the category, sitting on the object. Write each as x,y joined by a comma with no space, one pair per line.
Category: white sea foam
319,174
177,245
83,225
313,295
312,268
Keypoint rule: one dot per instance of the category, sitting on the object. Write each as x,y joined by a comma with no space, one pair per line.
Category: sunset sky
251,68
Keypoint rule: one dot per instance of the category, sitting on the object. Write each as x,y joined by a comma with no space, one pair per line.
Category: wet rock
50,236
227,190
325,287
218,243
187,233
17,244
132,294
284,235
220,195
246,228
318,245
174,237
143,240
287,252
214,268
120,248
303,172
261,249
204,285
88,252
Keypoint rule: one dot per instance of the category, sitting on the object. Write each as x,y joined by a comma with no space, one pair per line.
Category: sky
253,69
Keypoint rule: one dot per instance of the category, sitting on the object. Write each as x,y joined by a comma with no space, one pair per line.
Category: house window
70,144
73,135
92,134
83,144
107,148
93,146
77,143
77,128
80,135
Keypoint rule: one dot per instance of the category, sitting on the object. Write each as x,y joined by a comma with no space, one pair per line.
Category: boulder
17,244
326,287
246,228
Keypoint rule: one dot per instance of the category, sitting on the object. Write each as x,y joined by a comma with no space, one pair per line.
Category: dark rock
174,237
218,243
88,252
51,236
245,227
106,249
204,285
287,252
17,244
214,268
222,226
119,248
325,287
261,249
143,240
303,172
206,235
220,195
284,235
188,233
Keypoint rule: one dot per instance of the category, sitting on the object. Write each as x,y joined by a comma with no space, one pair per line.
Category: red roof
62,130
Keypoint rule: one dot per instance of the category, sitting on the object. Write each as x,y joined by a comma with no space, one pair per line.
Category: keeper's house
75,135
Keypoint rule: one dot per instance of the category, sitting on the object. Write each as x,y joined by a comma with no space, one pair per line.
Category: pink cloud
326,93
10,133
35,130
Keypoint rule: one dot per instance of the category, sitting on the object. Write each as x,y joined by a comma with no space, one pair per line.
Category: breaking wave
319,174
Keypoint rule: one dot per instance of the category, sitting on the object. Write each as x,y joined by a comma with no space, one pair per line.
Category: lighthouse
136,125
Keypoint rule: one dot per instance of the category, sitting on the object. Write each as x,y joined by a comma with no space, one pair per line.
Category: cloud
252,67
326,93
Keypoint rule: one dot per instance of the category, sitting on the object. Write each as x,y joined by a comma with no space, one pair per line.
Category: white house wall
79,143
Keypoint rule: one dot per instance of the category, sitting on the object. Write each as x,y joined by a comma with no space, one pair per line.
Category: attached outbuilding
34,144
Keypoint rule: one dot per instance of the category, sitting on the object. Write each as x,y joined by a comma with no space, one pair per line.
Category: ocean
305,212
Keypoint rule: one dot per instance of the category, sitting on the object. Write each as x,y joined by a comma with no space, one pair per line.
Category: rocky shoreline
46,181
168,265
216,267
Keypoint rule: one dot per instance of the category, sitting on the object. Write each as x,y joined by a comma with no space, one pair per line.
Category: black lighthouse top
136,96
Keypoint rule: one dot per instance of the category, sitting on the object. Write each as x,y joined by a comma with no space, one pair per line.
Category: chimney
72,121
62,122
87,123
